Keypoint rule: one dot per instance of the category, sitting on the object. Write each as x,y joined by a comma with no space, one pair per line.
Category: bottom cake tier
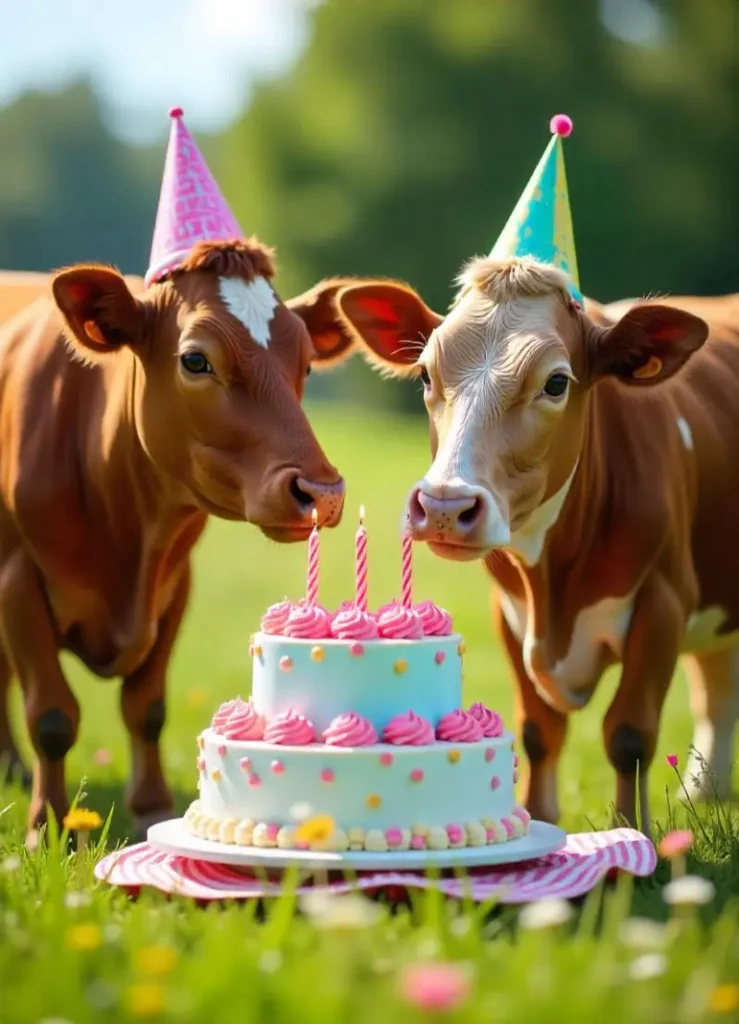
381,797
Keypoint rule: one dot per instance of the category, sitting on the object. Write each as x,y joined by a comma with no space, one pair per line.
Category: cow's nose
453,514
326,498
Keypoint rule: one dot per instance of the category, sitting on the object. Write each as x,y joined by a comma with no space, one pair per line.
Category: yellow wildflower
84,937
156,959
82,820
145,999
724,999
317,831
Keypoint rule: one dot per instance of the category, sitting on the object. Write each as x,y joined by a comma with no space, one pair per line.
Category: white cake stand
174,837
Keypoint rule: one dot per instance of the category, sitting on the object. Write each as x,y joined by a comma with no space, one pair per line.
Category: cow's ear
391,322
100,313
648,345
317,308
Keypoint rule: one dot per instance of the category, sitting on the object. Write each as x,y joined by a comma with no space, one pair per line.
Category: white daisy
690,890
546,913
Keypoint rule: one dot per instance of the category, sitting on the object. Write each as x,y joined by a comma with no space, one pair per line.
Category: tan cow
124,422
599,483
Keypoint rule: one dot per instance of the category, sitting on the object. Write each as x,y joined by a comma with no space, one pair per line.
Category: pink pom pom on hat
561,125
191,207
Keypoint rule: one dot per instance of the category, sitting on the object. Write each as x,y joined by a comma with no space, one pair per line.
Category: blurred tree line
399,143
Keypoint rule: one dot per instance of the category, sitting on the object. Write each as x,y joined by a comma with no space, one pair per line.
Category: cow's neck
148,525
119,464
550,559
565,524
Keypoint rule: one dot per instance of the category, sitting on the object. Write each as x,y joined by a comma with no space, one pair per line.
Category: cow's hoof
13,771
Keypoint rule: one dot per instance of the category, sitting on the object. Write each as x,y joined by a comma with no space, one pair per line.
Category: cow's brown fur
110,465
641,538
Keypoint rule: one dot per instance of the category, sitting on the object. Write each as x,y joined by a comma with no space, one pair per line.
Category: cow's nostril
303,498
469,515
416,511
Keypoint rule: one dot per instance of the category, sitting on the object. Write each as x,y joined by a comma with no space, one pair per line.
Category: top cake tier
377,679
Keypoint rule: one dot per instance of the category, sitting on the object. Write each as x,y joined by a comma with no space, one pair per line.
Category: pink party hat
191,208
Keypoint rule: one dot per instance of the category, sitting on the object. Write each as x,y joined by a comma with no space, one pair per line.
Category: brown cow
124,422
600,486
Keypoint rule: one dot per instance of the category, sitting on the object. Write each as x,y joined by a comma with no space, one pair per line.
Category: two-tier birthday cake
357,716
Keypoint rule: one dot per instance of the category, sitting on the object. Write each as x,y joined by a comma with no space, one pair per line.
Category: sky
144,56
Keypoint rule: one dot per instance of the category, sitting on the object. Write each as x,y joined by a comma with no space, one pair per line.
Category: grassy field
95,956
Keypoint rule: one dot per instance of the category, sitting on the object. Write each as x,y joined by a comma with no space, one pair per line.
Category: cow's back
19,289
50,406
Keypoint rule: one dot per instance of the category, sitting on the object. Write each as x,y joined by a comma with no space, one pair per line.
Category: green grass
287,969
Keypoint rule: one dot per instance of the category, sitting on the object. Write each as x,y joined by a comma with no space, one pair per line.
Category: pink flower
676,843
434,986
102,757
672,760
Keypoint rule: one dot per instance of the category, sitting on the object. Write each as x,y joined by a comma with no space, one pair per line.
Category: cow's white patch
528,542
253,303
685,432
702,631
603,624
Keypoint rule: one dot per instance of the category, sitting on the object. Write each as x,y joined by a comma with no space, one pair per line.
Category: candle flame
361,515
314,518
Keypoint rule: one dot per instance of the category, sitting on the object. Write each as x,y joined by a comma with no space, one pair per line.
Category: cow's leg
142,702
542,731
714,700
29,638
631,725
11,764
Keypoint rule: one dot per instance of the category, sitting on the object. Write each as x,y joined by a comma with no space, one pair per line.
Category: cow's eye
308,370
195,362
557,384
424,375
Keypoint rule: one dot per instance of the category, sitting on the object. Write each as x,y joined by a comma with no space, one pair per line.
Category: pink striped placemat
574,870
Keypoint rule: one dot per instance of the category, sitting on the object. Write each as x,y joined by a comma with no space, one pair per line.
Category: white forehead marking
685,432
253,303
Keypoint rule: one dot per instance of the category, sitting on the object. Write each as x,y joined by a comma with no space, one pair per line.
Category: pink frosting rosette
399,623
408,730
275,618
350,730
351,623
221,716
308,622
459,727
243,722
290,730
490,721
436,621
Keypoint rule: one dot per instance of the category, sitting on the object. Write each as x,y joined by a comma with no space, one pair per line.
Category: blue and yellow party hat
541,223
